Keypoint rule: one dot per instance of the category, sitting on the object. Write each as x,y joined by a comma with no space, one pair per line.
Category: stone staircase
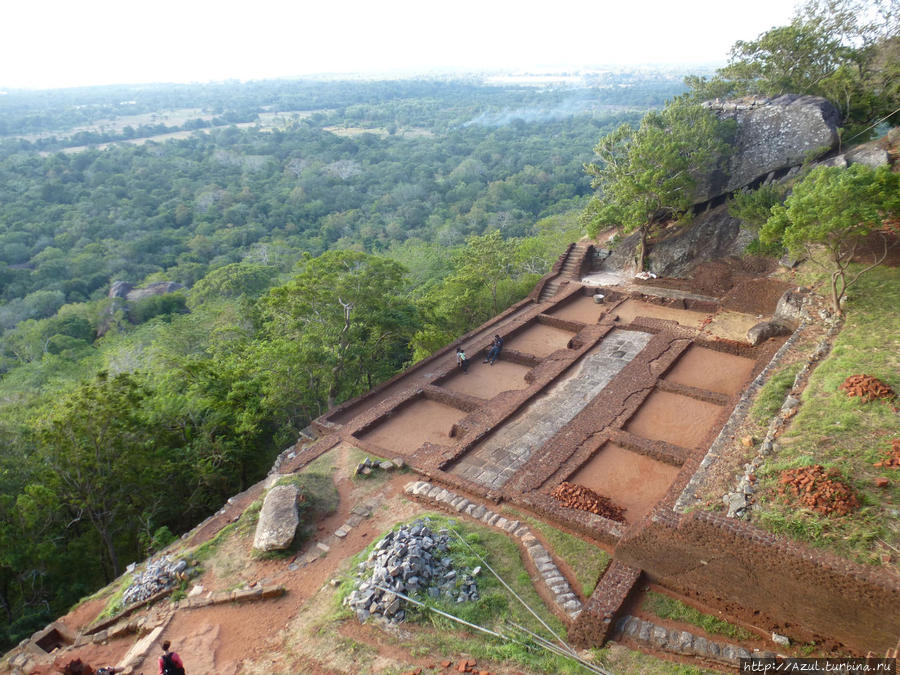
571,269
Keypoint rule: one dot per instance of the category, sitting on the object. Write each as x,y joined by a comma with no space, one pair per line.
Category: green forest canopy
317,259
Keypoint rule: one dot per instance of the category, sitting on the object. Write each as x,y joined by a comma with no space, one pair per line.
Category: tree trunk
640,253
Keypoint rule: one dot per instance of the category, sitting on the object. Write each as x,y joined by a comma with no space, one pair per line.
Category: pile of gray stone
160,574
414,561
368,465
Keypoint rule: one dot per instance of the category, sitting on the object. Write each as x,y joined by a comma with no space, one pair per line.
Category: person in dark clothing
494,352
170,662
462,360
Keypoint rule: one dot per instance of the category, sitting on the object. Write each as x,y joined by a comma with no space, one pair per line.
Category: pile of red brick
891,457
464,666
579,497
868,388
819,489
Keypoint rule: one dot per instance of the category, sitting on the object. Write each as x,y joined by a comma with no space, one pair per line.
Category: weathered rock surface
789,309
158,288
278,519
714,234
119,289
767,329
868,155
772,135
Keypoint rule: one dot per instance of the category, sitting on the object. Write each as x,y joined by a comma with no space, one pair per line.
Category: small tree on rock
649,174
837,209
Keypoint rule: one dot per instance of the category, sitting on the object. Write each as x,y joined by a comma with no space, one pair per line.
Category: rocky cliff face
122,289
772,139
771,136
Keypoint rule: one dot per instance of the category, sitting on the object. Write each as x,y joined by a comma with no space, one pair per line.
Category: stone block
278,519
659,637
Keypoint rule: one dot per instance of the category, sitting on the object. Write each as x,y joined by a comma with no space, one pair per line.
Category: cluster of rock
563,595
685,643
790,312
368,465
410,560
160,575
741,501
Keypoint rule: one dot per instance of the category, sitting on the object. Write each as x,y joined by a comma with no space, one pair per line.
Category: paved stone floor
493,462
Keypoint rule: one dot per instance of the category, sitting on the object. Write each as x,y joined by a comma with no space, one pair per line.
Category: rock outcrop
278,519
772,136
119,289
123,289
714,234
158,288
772,139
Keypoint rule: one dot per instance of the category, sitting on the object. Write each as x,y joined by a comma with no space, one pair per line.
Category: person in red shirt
170,663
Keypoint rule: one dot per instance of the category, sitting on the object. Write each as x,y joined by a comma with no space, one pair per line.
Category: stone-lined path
684,643
493,462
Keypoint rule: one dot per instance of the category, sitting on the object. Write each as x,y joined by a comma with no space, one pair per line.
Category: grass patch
115,605
669,608
835,430
588,561
774,391
625,661
444,638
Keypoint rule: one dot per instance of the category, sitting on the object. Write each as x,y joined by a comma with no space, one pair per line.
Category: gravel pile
411,560
160,574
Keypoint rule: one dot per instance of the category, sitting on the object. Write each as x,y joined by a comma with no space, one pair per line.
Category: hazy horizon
57,44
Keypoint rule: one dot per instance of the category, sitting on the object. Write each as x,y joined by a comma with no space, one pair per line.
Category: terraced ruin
632,393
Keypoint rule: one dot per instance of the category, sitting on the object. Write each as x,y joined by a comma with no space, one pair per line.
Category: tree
96,449
649,174
837,208
346,317
838,49
753,208
232,281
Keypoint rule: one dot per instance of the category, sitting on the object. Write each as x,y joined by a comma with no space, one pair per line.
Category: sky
66,43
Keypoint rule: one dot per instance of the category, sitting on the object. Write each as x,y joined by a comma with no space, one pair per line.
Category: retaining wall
732,565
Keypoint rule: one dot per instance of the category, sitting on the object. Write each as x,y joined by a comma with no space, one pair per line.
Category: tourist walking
170,663
462,361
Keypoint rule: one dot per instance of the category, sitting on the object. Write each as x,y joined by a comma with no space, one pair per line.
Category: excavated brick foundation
624,394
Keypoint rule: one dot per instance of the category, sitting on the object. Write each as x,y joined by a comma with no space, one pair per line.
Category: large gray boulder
278,519
772,135
119,289
789,309
158,288
767,329
713,234
868,155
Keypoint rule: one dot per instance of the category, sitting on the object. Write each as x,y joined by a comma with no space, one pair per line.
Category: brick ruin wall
735,567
